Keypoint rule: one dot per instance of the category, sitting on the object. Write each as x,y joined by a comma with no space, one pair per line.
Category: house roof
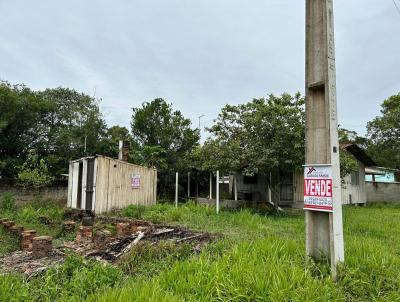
359,154
380,170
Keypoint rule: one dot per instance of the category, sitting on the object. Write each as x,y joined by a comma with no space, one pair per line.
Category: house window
355,178
250,180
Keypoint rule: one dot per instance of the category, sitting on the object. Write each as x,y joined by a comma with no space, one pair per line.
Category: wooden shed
101,184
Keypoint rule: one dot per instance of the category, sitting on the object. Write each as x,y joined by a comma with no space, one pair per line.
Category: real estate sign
135,181
318,188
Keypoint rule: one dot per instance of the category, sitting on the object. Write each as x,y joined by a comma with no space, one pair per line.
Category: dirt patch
105,246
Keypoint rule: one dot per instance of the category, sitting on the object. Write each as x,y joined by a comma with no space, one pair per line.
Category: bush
7,201
34,173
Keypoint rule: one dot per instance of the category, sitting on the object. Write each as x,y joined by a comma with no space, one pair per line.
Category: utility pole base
324,230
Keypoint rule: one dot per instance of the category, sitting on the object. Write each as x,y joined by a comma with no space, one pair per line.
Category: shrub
34,173
7,201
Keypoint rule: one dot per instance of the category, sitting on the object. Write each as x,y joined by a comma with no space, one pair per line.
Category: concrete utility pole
324,231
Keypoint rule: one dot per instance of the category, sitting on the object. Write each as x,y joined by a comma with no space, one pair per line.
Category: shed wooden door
287,190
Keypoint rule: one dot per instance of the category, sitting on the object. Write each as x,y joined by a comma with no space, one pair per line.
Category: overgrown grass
31,216
262,259
72,281
257,258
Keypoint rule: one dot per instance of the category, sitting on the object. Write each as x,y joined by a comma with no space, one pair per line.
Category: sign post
324,225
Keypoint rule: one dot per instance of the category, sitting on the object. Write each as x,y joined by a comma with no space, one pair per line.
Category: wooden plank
75,177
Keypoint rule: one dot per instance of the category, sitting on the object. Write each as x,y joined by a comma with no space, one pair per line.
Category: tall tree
72,127
109,145
384,133
20,111
58,124
164,138
264,136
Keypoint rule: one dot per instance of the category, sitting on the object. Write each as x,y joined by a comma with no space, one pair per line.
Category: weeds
7,202
149,259
72,281
259,257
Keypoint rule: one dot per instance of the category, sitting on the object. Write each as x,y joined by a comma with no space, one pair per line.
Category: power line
397,7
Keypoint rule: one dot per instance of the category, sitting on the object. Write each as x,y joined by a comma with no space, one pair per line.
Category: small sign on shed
135,181
318,188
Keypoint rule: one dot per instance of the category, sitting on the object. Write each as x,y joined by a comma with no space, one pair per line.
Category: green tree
384,133
163,138
56,123
110,143
348,163
34,173
73,127
264,136
20,111
348,136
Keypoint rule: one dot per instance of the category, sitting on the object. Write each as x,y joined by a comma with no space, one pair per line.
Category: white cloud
197,54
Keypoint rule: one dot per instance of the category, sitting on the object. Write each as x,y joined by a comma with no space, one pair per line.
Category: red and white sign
135,181
318,188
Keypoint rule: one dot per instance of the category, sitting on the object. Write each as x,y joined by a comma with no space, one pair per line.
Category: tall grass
72,281
257,258
262,259
30,215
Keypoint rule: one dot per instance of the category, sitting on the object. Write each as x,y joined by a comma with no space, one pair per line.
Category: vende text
318,187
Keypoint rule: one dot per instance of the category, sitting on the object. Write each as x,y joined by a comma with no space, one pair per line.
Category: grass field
258,257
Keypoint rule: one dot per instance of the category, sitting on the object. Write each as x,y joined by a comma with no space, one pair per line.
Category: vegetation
262,136
256,257
43,216
34,172
384,134
57,124
163,138
7,202
72,281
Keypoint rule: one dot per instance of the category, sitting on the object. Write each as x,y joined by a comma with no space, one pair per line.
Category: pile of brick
128,228
39,247
84,234
26,240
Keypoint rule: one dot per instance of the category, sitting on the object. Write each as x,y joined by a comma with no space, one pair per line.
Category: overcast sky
197,54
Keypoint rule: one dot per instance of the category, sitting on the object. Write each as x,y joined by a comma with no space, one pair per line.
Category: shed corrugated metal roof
359,154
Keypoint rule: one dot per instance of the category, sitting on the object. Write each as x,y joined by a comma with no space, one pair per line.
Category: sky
197,54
